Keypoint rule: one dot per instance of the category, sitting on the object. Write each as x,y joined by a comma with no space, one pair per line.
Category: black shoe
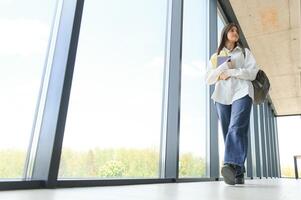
240,179
228,172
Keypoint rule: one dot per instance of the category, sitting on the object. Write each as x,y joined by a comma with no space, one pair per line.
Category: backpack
261,86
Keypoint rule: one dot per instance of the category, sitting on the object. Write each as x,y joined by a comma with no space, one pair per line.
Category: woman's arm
249,71
213,73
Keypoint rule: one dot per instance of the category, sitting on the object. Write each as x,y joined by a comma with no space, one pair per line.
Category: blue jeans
235,119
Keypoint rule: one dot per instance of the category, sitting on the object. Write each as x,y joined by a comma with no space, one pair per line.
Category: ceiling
272,30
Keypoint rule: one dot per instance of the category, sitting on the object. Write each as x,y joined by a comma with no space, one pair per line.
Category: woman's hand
223,76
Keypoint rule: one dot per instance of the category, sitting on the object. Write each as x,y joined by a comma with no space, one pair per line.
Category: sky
127,71
120,59
25,28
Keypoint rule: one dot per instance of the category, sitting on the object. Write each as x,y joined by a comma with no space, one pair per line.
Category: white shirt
239,84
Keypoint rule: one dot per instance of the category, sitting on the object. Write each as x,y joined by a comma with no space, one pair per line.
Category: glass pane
25,31
289,144
194,103
113,126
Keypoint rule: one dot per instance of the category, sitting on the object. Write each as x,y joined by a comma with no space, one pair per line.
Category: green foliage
110,163
289,171
12,163
103,163
123,163
191,166
112,169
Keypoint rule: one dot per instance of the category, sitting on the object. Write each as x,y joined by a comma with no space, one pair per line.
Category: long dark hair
224,33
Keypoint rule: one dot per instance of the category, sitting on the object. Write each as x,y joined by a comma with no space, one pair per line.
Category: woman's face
232,35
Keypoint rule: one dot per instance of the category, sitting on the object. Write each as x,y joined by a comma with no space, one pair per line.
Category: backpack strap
244,52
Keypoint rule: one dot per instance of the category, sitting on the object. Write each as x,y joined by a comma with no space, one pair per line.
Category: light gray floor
266,189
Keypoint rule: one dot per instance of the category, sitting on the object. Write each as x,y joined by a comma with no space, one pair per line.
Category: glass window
289,144
113,126
25,32
194,100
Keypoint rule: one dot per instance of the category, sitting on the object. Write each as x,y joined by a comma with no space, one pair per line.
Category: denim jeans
235,119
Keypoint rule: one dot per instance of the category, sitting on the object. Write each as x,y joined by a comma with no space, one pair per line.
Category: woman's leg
224,115
236,144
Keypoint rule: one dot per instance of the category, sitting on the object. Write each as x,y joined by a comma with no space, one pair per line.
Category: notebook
222,59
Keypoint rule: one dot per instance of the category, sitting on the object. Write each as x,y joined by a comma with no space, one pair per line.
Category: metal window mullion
260,132
174,86
49,146
264,145
273,144
35,132
271,141
253,145
268,141
256,138
213,135
277,145
250,148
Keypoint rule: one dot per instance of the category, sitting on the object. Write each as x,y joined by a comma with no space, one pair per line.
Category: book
222,59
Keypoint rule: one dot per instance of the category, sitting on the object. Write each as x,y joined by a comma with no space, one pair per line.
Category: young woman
233,96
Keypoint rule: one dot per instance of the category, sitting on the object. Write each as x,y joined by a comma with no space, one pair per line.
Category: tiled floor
265,189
